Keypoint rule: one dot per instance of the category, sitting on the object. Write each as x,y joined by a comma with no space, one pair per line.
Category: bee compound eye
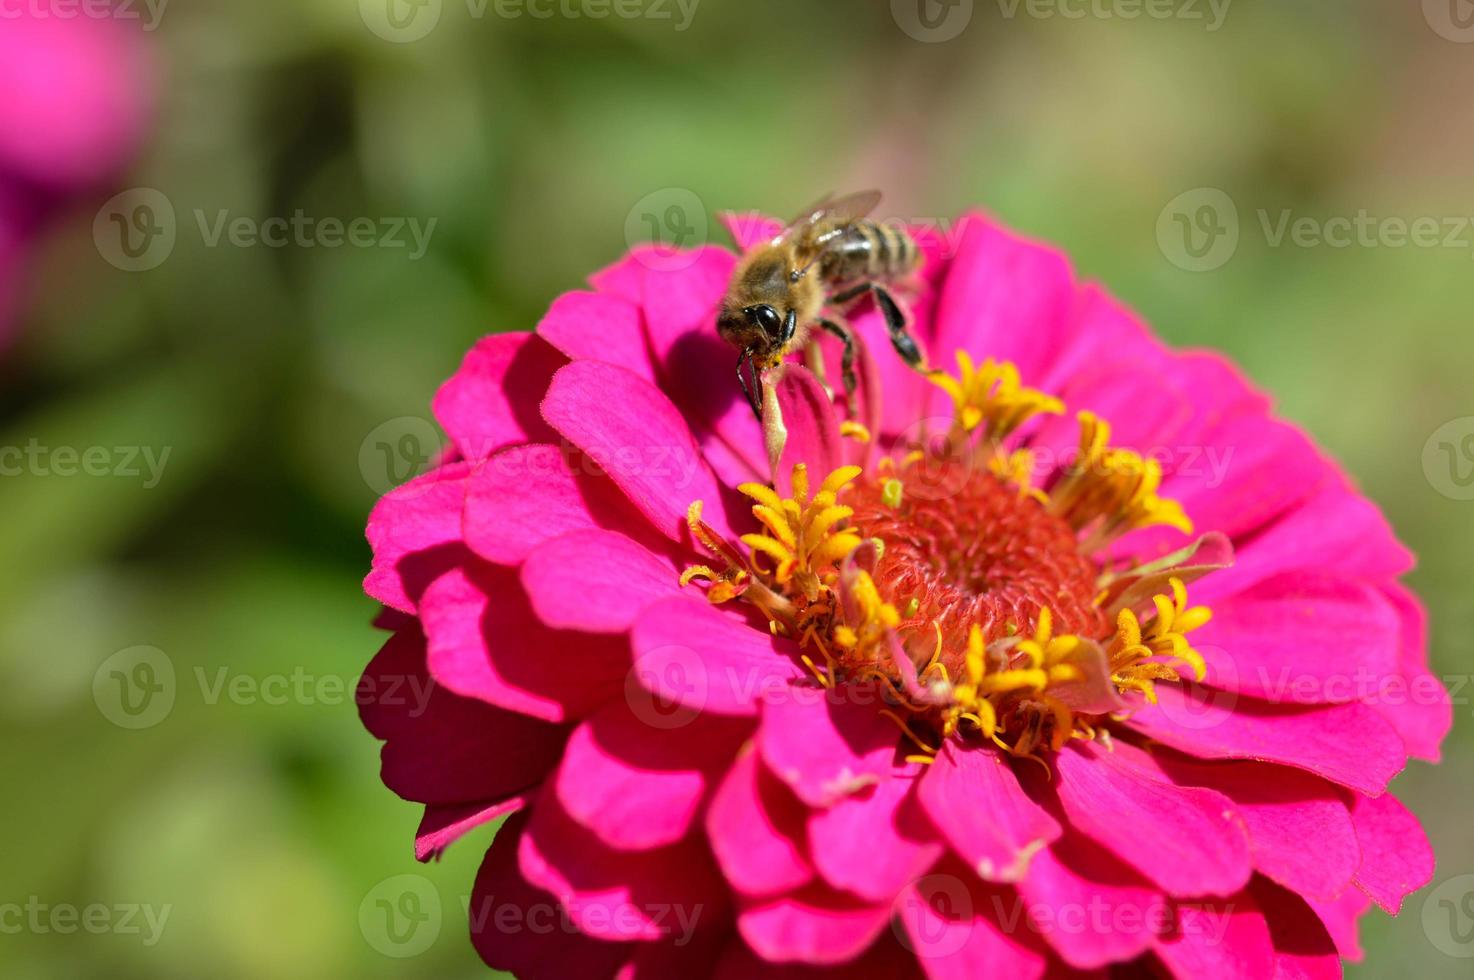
768,319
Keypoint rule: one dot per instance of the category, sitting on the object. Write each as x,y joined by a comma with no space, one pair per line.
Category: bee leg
847,360
814,358
895,321
744,368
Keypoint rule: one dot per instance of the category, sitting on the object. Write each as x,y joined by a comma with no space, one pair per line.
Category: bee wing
844,211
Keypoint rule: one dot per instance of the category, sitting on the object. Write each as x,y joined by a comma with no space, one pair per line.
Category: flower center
974,596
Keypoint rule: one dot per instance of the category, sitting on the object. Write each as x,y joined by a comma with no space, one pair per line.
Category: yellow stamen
1112,491
991,393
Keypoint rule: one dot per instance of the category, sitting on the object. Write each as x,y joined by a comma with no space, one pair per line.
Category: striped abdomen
870,250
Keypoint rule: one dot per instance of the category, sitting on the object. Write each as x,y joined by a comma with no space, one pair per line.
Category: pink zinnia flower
935,700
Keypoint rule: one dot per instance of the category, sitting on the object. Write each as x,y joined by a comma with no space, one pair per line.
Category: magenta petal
1348,743
961,930
811,926
437,744
755,828
626,577
519,928
813,428
1414,699
1218,939
699,658
1301,637
875,842
617,895
523,496
1341,919
999,828
1187,840
1282,809
443,825
491,402
598,327
634,789
485,642
645,447
827,744
1337,530
1098,910
1396,858
1303,949
415,534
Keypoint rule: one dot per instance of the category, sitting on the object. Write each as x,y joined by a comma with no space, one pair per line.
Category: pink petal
1218,939
415,534
598,327
1414,699
827,744
885,958
755,828
596,581
1146,407
1282,810
975,800
618,895
1188,841
519,928
491,402
485,642
699,658
1341,918
811,926
1396,858
1337,530
1101,328
626,277
749,228
813,427
1004,297
1301,637
644,445
524,496
1090,907
635,788
875,842
437,745
1302,947
960,929
698,368
1348,743
443,825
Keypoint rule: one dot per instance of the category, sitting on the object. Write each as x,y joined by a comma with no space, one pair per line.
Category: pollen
968,589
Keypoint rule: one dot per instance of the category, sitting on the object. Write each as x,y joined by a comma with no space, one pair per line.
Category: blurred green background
275,375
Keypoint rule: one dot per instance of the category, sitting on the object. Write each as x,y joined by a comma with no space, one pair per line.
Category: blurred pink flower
923,701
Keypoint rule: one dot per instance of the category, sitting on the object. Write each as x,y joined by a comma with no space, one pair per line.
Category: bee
827,259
